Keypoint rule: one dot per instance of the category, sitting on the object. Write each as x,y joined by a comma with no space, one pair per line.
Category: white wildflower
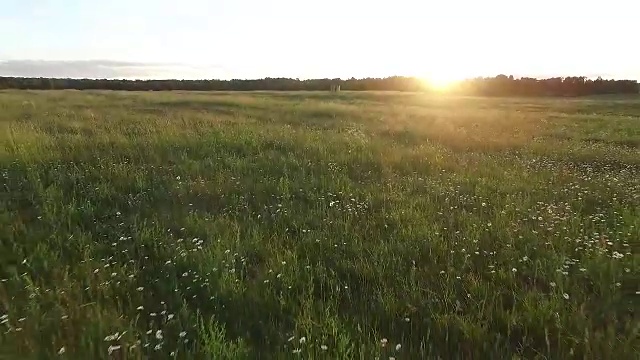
113,348
112,337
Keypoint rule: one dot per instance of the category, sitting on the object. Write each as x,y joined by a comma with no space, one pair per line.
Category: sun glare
439,83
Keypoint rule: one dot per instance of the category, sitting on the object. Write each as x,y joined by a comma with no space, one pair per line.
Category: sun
440,82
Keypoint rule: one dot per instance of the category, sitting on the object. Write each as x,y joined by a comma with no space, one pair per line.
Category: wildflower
296,351
139,308
553,284
159,335
169,317
398,347
303,340
566,296
62,351
291,339
182,334
384,341
112,337
324,347
140,288
113,348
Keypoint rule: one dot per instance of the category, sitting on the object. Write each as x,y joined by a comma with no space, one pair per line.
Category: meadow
318,225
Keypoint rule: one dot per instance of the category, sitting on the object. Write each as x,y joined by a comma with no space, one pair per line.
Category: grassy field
318,225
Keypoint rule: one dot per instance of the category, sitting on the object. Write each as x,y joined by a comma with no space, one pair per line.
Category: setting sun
442,83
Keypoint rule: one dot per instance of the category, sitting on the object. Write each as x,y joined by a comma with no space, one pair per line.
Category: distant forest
500,85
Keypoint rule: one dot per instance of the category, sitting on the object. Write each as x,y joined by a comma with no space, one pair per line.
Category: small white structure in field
335,88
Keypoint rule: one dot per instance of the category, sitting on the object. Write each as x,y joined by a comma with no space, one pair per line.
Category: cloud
105,69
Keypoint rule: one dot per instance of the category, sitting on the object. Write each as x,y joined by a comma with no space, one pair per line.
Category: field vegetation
318,225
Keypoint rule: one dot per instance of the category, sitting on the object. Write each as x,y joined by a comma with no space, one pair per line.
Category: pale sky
439,40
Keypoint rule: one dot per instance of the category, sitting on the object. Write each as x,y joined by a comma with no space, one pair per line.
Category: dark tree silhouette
501,85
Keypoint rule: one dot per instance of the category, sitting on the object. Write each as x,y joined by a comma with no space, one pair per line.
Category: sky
440,41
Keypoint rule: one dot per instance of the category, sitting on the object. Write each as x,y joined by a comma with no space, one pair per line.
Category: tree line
500,85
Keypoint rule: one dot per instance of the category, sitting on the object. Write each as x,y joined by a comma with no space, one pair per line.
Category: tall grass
264,225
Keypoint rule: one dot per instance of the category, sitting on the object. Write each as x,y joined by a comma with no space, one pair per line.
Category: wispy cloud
106,69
